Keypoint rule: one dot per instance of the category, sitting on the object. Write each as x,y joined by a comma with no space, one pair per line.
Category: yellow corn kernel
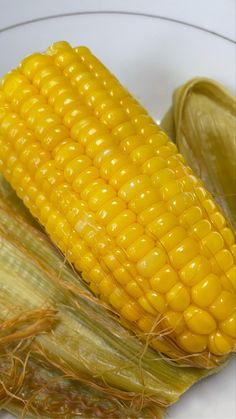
142,153
178,297
129,235
231,274
162,177
212,243
158,140
157,301
118,298
139,248
143,283
218,220
123,175
110,210
172,191
106,286
143,200
174,322
120,222
224,259
151,262
122,275
144,303
201,229
99,196
228,236
199,321
220,344
190,216
194,271
163,224
228,326
147,324
124,130
173,238
153,165
164,279
233,250
133,187
180,201
223,305
131,311
206,291
133,289
149,214
131,143
192,342
187,250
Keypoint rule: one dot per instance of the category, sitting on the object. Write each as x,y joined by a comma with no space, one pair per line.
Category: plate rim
116,12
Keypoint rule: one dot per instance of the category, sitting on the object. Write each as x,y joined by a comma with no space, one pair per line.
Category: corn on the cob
117,198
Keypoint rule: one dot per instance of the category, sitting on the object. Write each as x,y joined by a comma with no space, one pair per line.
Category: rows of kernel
47,177
132,107
222,259
181,172
127,217
215,217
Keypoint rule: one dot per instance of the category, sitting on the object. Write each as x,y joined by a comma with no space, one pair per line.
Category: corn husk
202,121
33,388
46,308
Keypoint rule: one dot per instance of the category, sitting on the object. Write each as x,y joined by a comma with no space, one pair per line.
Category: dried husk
202,121
33,388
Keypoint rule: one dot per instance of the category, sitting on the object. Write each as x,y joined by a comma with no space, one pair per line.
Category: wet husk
202,121
48,316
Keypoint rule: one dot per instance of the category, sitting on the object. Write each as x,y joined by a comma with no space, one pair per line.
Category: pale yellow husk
202,121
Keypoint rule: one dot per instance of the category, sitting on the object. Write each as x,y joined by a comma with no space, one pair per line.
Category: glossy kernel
157,301
173,238
228,326
129,235
199,321
184,253
178,297
223,305
174,322
220,344
120,222
195,270
162,224
206,291
139,248
192,342
151,262
164,279
133,187
212,243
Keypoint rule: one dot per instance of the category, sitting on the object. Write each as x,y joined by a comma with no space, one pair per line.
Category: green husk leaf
202,121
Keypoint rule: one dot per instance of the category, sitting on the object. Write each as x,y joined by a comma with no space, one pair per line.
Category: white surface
151,56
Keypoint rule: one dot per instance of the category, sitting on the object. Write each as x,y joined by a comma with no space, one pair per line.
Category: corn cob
115,196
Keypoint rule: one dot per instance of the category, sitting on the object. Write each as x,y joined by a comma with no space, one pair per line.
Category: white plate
151,56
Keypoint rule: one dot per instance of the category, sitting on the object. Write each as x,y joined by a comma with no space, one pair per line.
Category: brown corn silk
87,159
